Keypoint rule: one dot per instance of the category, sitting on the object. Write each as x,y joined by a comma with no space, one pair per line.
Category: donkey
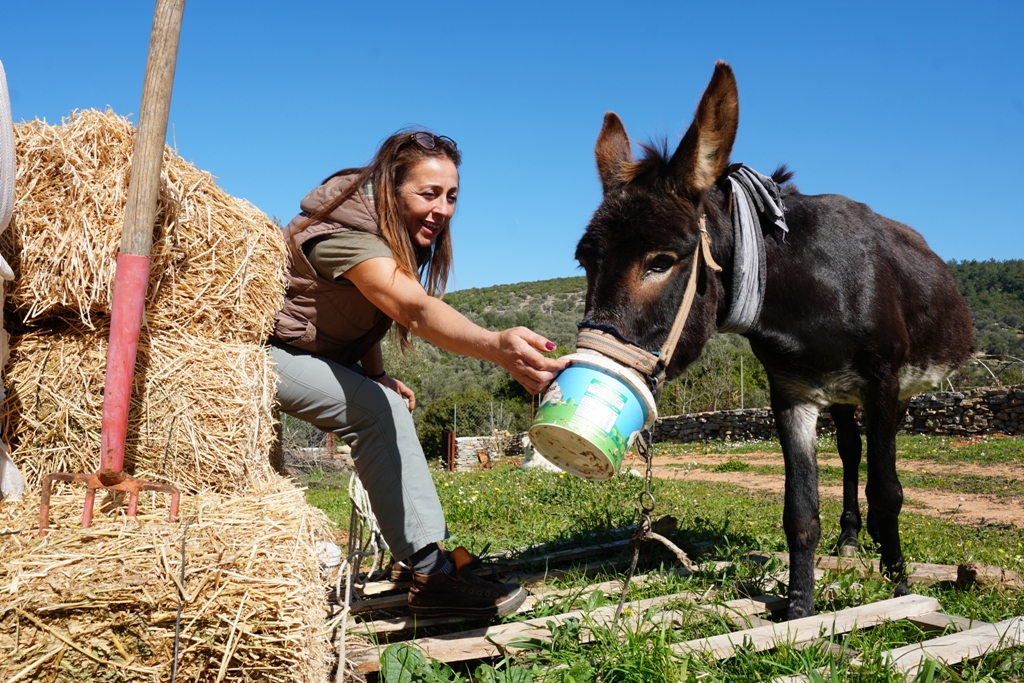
853,309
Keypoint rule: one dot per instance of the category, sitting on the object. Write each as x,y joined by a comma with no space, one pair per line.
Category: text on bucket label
600,406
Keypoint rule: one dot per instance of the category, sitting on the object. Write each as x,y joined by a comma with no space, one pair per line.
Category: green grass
987,450
505,508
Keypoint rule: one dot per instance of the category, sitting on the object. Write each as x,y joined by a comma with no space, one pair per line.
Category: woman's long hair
387,173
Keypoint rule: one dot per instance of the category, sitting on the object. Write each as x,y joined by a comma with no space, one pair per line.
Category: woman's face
428,199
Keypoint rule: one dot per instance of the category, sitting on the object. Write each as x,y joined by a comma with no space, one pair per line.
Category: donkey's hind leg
883,414
848,443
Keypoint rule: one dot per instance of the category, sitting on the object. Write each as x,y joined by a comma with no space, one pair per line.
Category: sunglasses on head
429,141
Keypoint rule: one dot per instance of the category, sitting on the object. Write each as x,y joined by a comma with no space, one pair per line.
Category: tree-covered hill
548,307
994,291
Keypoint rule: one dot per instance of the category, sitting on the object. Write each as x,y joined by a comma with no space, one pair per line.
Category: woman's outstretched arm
403,299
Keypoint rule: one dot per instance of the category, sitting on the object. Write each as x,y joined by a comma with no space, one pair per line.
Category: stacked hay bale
202,415
101,603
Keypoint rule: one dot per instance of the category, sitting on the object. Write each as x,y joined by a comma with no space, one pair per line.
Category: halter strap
703,248
607,344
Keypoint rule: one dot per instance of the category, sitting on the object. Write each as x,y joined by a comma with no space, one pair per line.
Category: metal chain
643,530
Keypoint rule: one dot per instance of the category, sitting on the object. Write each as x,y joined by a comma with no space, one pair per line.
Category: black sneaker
463,595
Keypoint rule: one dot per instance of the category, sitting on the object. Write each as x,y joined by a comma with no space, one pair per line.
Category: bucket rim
621,372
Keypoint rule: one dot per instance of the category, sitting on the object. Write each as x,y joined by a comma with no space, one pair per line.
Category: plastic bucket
590,416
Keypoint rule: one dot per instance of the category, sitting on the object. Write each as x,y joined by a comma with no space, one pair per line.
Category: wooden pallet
970,639
966,642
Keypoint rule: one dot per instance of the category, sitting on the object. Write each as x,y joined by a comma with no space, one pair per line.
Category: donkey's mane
655,161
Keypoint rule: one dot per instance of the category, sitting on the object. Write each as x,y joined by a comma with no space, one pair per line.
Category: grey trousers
377,424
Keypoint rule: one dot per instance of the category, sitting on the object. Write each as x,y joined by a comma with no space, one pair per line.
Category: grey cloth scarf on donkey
753,195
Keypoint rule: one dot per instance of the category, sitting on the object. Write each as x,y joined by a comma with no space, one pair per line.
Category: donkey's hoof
901,590
798,612
849,549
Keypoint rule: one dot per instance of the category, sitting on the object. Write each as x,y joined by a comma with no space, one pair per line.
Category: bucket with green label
591,414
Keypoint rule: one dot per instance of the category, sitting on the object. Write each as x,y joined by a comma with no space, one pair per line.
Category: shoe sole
501,610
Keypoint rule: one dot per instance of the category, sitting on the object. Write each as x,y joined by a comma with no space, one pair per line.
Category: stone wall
481,452
962,413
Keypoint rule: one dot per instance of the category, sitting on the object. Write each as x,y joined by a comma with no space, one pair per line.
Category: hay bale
201,416
101,603
217,262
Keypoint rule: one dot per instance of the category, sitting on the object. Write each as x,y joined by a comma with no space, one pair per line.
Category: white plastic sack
8,166
12,484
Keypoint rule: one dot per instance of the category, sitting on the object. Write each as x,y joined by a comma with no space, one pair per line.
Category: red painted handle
130,284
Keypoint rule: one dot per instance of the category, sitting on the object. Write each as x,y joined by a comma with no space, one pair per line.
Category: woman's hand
399,388
519,352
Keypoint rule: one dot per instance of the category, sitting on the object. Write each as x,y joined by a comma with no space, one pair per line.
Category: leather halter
653,365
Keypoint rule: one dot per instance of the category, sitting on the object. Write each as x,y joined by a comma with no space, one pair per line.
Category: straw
101,602
217,261
202,413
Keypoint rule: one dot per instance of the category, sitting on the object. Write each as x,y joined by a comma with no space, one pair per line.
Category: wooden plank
398,624
957,647
971,573
402,599
528,579
809,628
743,612
503,569
917,572
480,643
383,602
485,642
378,587
937,621
404,623
563,555
541,548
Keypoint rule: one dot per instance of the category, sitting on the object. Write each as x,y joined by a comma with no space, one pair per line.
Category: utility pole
741,382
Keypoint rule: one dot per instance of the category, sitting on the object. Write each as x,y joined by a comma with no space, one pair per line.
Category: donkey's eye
660,263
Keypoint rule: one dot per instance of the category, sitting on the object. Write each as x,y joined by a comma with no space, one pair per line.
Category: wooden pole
148,154
741,382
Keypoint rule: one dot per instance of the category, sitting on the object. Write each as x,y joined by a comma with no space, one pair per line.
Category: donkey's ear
704,151
612,152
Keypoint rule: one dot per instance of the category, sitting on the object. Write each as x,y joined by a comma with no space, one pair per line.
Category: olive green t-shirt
333,255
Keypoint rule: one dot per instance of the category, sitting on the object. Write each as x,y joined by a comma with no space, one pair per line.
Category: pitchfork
132,277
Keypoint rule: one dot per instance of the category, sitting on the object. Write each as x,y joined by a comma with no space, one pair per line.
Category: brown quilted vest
326,317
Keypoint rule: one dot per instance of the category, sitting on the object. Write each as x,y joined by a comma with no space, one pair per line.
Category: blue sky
916,109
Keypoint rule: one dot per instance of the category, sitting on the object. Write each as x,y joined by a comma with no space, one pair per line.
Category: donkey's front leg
883,413
796,423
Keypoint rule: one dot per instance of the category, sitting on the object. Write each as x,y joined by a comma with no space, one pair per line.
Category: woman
372,246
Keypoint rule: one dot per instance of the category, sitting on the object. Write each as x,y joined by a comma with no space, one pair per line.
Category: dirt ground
962,507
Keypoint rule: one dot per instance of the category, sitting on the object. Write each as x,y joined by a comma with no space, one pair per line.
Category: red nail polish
550,346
